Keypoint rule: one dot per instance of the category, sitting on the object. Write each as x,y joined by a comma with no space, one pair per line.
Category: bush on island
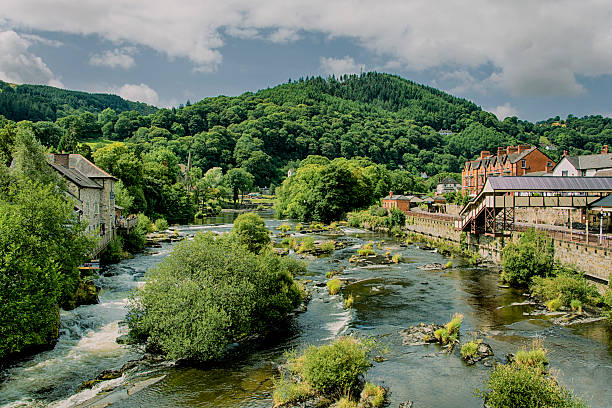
210,292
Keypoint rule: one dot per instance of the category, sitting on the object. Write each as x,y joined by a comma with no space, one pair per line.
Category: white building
448,185
586,166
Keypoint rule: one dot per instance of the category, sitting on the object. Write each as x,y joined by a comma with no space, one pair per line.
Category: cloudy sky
533,59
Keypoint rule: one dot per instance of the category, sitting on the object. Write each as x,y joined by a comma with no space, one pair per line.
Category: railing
576,236
102,243
433,216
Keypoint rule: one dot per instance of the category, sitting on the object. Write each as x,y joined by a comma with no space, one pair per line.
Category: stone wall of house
550,216
595,262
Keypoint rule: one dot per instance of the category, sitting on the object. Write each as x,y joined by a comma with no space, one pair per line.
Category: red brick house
401,202
510,161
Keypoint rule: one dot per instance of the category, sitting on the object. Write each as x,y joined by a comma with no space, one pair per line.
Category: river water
387,299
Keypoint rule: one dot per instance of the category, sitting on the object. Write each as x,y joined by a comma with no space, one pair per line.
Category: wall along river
387,299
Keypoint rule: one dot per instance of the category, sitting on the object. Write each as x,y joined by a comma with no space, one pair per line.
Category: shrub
576,305
299,227
396,218
607,300
533,358
565,287
511,386
344,402
469,350
366,249
348,302
284,227
441,335
160,224
332,273
396,258
532,256
114,251
317,226
336,368
333,286
554,304
306,245
327,246
289,392
239,292
250,230
448,265
375,393
136,239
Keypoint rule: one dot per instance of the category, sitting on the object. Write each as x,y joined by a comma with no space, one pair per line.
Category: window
523,164
549,164
564,173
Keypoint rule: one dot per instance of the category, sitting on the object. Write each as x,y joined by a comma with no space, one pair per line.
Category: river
387,299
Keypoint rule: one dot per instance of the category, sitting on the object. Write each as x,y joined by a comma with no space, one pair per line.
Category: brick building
509,161
401,202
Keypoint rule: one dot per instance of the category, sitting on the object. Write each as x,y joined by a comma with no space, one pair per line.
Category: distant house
400,202
92,188
509,161
587,166
445,132
448,185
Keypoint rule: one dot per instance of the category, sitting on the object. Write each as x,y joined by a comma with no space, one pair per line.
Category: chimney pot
604,150
484,153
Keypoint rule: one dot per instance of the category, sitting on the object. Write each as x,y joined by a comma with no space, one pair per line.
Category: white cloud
19,65
340,66
117,58
533,47
139,93
284,35
504,111
42,40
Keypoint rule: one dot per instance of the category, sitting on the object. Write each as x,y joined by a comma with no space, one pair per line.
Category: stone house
448,185
93,190
589,165
509,161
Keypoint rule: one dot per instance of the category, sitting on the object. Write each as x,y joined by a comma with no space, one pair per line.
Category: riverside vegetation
530,263
235,281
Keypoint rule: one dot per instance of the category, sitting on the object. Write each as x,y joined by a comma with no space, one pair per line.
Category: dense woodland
259,136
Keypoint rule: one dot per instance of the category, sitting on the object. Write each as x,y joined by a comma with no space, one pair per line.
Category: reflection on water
387,299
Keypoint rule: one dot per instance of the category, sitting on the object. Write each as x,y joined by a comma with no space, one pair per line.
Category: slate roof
449,180
397,197
88,168
591,161
603,202
493,160
76,177
548,183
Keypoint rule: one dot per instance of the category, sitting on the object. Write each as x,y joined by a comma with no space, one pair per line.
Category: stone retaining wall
595,262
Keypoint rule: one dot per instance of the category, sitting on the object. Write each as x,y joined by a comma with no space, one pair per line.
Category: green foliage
114,251
554,304
375,393
469,350
327,246
250,230
450,332
396,218
136,239
284,228
239,292
307,244
534,358
41,243
532,256
336,368
576,305
344,402
511,386
348,302
565,288
289,392
396,258
334,286
160,225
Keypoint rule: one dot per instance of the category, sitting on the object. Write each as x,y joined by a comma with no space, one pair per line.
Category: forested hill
384,118
41,102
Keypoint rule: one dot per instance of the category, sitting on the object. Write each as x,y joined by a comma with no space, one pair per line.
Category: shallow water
387,299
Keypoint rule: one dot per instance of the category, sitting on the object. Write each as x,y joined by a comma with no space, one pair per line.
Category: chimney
523,147
501,151
485,153
390,193
512,149
61,159
604,150
564,153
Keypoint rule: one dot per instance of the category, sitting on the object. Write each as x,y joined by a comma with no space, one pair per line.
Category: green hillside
41,102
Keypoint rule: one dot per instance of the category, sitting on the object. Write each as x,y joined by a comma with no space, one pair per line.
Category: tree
238,180
532,256
239,292
250,230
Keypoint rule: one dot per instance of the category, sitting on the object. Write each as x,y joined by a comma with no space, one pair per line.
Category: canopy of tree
41,102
